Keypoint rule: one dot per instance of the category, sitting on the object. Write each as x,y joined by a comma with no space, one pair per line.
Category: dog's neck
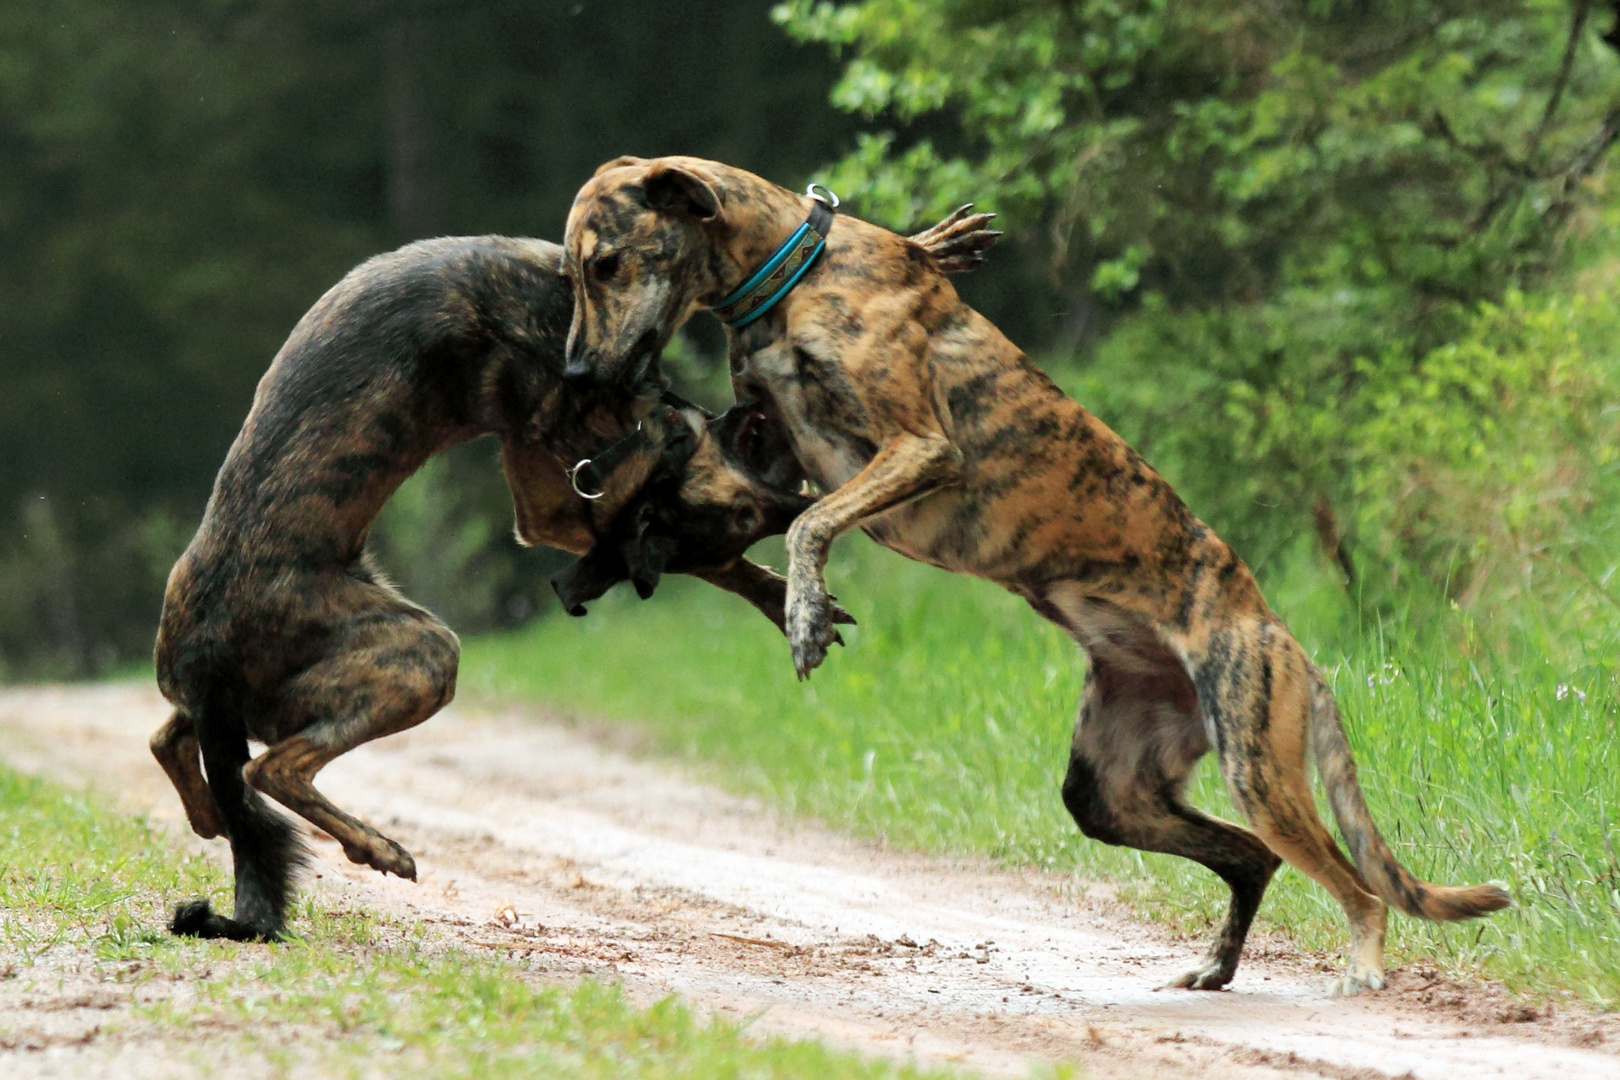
759,216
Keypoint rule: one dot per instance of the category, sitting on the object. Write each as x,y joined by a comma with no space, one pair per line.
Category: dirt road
531,837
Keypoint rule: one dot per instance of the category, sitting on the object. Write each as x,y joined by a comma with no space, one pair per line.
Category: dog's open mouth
760,446
746,444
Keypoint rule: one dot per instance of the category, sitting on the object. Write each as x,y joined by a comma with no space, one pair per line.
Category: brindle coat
275,626
934,433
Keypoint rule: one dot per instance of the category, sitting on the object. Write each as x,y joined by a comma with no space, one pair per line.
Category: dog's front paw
809,624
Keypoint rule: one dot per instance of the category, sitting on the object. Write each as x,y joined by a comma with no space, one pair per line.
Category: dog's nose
579,359
577,369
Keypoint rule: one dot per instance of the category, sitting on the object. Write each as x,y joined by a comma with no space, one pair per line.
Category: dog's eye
603,267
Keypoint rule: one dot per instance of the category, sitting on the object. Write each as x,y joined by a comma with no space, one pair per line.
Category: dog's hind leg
1254,683
390,670
176,748
1139,735
265,848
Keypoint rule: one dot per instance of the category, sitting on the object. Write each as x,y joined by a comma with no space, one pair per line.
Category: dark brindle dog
932,431
275,626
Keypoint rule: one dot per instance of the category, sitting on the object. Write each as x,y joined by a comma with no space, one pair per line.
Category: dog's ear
647,560
647,552
618,163
681,191
588,577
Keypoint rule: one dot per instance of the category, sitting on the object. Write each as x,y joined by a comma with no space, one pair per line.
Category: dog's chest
823,416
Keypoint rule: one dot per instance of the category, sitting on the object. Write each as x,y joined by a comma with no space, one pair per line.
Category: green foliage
1210,150
1307,222
1497,457
945,725
1483,470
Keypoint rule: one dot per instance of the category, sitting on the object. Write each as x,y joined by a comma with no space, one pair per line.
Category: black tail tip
196,918
192,919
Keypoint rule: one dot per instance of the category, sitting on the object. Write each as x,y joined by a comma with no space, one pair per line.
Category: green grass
945,726
73,875
355,991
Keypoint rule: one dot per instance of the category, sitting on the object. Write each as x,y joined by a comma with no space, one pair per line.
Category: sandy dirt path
533,838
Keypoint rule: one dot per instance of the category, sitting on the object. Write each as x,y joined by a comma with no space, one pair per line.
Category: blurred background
1343,270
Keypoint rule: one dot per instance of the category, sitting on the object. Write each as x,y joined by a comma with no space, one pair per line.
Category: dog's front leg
764,588
903,469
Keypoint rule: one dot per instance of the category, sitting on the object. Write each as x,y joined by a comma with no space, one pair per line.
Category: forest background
1342,270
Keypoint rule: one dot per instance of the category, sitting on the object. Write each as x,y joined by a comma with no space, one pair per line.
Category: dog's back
388,368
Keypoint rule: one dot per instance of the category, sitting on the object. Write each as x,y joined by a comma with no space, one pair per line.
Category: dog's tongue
745,442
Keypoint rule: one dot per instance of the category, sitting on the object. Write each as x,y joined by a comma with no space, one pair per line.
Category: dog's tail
1384,874
958,243
264,845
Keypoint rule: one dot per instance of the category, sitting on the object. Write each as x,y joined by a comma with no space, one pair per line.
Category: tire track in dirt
533,839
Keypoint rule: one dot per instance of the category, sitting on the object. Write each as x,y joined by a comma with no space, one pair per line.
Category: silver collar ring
822,194
573,480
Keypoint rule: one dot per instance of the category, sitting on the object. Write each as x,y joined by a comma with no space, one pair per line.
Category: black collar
589,476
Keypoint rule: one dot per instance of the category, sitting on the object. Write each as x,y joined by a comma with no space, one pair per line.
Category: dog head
648,242
635,251
724,484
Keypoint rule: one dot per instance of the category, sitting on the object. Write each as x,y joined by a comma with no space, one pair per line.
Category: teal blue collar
774,280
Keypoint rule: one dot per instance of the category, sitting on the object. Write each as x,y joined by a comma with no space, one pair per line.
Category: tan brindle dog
934,433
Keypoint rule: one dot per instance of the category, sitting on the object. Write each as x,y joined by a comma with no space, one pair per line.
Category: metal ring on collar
827,197
573,480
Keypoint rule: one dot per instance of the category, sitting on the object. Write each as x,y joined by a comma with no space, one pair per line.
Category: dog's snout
579,360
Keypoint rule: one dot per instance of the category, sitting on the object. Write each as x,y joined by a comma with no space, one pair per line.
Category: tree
1274,204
